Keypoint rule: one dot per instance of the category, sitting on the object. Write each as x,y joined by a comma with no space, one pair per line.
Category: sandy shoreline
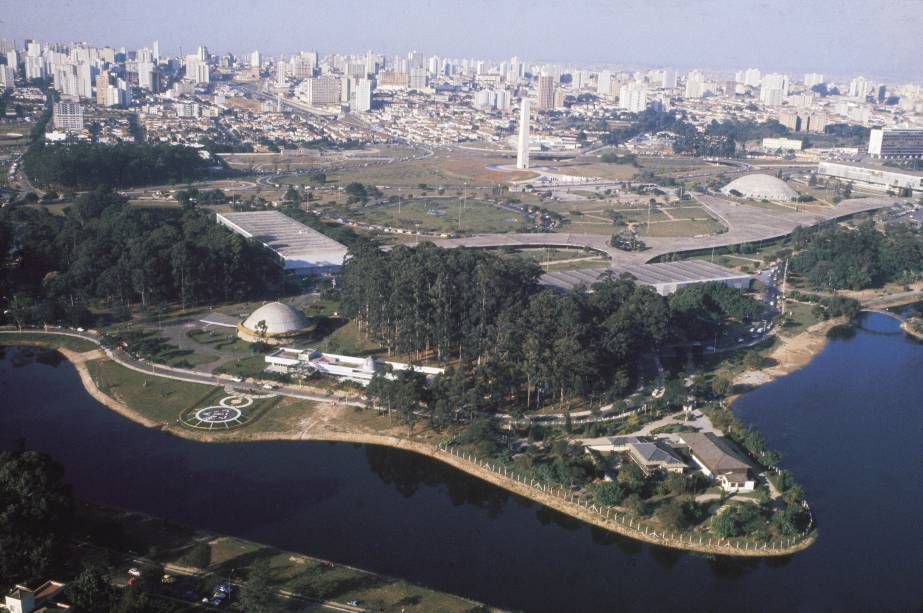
328,431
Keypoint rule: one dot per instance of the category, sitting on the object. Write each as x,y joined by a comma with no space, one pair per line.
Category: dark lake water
849,426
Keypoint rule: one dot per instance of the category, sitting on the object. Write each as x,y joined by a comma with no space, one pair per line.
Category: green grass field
119,533
156,398
245,366
442,215
47,340
680,228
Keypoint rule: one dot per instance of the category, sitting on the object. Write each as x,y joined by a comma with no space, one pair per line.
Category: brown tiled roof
715,453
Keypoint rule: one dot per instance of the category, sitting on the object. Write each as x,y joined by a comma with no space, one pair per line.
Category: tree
256,595
91,590
131,599
608,493
631,478
671,514
37,509
737,520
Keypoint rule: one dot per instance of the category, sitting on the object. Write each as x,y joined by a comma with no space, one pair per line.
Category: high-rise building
560,96
68,116
256,59
155,51
604,83
545,93
858,87
504,102
364,95
633,97
790,120
522,151
695,85
7,75
197,69
147,77
668,81
321,90
896,143
35,68
515,72
418,78
7,45
813,78
814,122
102,88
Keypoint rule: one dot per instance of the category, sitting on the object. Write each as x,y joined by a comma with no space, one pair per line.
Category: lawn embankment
181,549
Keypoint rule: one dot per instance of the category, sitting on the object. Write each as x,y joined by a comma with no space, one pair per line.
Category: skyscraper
522,153
695,84
364,95
604,83
545,93
669,79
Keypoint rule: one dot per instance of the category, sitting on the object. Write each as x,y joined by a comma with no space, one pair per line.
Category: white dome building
281,321
761,187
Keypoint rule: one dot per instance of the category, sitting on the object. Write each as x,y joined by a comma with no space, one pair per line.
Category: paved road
746,224
190,376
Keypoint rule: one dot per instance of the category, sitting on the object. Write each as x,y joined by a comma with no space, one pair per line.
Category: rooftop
714,452
290,239
688,271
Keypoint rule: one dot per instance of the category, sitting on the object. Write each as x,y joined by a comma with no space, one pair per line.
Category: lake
848,426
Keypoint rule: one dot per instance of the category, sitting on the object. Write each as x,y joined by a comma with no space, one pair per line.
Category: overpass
745,223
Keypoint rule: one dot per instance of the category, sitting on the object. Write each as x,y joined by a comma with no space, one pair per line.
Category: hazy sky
879,38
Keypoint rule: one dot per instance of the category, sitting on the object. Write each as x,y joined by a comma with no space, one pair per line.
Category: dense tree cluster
36,509
87,166
835,257
512,339
697,309
102,250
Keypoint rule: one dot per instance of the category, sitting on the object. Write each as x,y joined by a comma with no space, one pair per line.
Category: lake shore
331,429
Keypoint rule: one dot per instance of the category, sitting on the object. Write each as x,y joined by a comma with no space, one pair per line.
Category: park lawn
167,542
615,172
157,398
317,578
64,341
680,228
802,317
641,215
285,415
688,212
245,366
544,255
582,264
580,225
454,169
738,262
220,341
442,215
345,340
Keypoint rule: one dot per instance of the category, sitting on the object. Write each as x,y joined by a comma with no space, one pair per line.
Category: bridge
890,314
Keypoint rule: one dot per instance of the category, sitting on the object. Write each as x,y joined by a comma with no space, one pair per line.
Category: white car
134,572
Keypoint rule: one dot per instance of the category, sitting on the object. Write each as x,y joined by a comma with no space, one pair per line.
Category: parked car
134,571
168,579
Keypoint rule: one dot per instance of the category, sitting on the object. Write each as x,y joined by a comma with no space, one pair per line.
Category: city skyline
865,39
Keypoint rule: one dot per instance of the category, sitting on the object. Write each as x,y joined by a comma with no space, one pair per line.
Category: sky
878,38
